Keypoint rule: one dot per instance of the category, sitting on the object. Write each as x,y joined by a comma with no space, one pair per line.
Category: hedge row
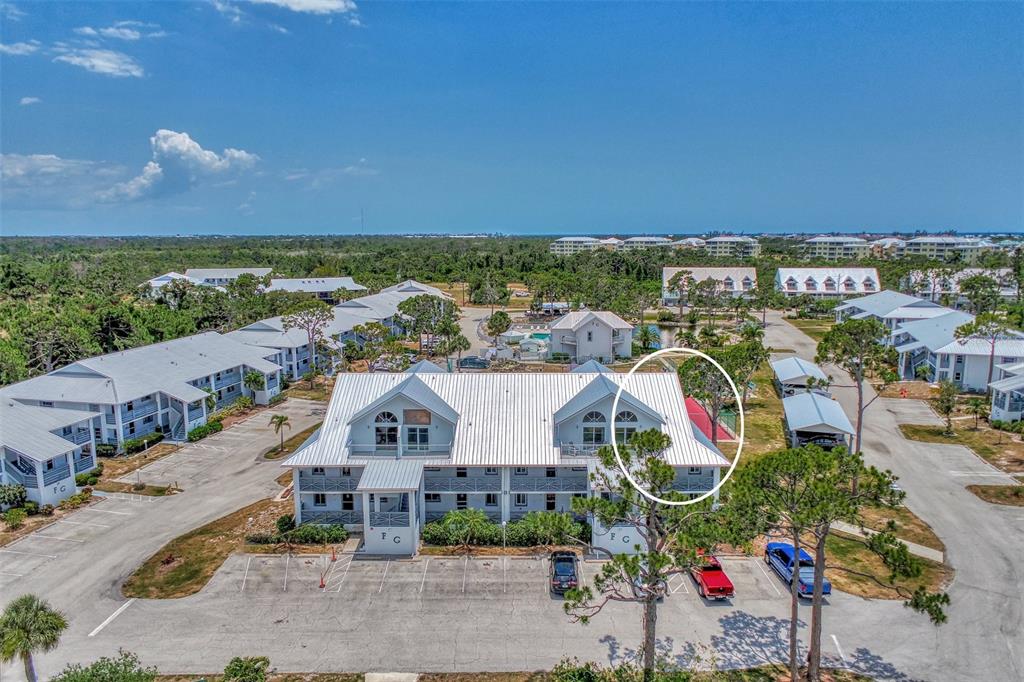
306,534
1012,427
201,432
139,444
89,477
530,531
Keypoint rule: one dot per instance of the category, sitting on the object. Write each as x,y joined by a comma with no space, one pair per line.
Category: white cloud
86,31
318,179
245,208
26,101
10,12
312,6
229,10
279,29
49,181
179,164
120,32
106,62
19,49
123,30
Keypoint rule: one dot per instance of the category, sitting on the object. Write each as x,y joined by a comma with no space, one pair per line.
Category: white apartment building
887,247
592,335
918,341
1008,392
400,449
567,246
836,248
946,248
889,307
634,243
965,361
221,276
734,281
322,287
732,247
939,283
835,282
689,243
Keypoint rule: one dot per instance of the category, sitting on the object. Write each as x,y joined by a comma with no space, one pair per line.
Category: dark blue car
779,555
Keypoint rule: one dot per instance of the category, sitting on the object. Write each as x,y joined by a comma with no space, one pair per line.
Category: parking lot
511,579
33,552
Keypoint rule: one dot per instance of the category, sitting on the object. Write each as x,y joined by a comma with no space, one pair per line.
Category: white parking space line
681,586
55,537
465,567
287,560
840,650
504,573
384,577
107,511
112,616
84,523
246,574
16,575
424,578
770,580
15,551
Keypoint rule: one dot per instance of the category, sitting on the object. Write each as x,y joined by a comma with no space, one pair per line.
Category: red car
712,582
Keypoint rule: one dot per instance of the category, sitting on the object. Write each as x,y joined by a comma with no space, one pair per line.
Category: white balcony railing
400,449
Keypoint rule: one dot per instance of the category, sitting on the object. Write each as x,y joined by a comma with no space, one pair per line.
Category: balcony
476,484
195,413
58,474
695,484
567,339
77,437
325,484
543,484
227,380
84,463
332,517
138,412
394,450
389,519
580,449
22,475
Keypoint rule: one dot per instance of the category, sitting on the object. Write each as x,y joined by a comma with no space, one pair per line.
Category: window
432,498
348,502
460,472
491,500
549,502
521,471
590,336
319,500
318,471
579,468
810,284
460,501
694,471
628,421
346,471
520,500
593,435
49,465
386,431
491,471
417,437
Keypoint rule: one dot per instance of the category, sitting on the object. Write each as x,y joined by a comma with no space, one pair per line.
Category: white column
716,477
506,493
296,490
366,512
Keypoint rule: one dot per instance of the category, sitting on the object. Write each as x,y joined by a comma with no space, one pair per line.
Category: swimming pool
542,336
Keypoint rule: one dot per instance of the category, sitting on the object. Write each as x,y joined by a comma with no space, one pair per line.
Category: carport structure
813,419
794,375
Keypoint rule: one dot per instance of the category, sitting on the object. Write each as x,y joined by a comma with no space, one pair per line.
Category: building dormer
585,423
409,420
810,284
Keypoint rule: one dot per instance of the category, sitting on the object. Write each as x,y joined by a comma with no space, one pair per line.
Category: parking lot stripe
112,616
246,574
15,551
424,578
107,511
504,573
465,568
55,537
287,559
16,575
770,580
840,650
84,523
384,577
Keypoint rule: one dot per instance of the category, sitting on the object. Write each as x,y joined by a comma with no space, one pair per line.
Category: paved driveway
984,542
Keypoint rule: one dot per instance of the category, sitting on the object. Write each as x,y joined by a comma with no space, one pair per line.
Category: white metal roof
391,474
1008,347
813,412
716,240
577,319
791,369
578,239
835,240
880,303
591,367
933,333
424,366
859,277
160,281
315,284
27,429
736,275
504,419
226,273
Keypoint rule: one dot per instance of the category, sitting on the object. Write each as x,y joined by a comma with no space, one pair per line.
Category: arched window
593,435
386,431
625,426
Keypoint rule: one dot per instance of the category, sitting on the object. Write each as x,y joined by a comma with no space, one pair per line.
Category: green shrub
46,510
279,398
536,528
125,668
248,669
313,534
666,316
139,444
12,495
560,357
14,518
31,508
106,449
205,430
263,538
82,479
77,500
285,523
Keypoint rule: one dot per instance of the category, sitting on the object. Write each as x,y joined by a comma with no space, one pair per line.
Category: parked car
779,555
473,363
712,582
563,571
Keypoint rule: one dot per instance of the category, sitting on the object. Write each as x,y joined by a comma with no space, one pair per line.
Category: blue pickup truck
779,555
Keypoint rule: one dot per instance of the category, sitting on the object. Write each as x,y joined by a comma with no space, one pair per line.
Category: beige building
567,246
836,248
945,248
732,247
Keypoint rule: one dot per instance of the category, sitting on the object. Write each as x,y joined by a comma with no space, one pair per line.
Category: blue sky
292,116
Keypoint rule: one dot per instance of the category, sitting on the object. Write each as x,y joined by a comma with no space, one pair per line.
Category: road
984,637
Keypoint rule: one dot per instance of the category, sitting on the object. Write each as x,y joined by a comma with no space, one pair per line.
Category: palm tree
686,338
978,408
254,381
278,421
646,336
28,625
751,332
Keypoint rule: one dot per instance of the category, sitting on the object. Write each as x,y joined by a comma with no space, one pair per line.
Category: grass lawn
1001,449
813,328
849,553
185,564
299,388
1009,495
908,526
117,467
291,444
764,430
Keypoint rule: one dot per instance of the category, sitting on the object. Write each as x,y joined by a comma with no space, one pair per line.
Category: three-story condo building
397,450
